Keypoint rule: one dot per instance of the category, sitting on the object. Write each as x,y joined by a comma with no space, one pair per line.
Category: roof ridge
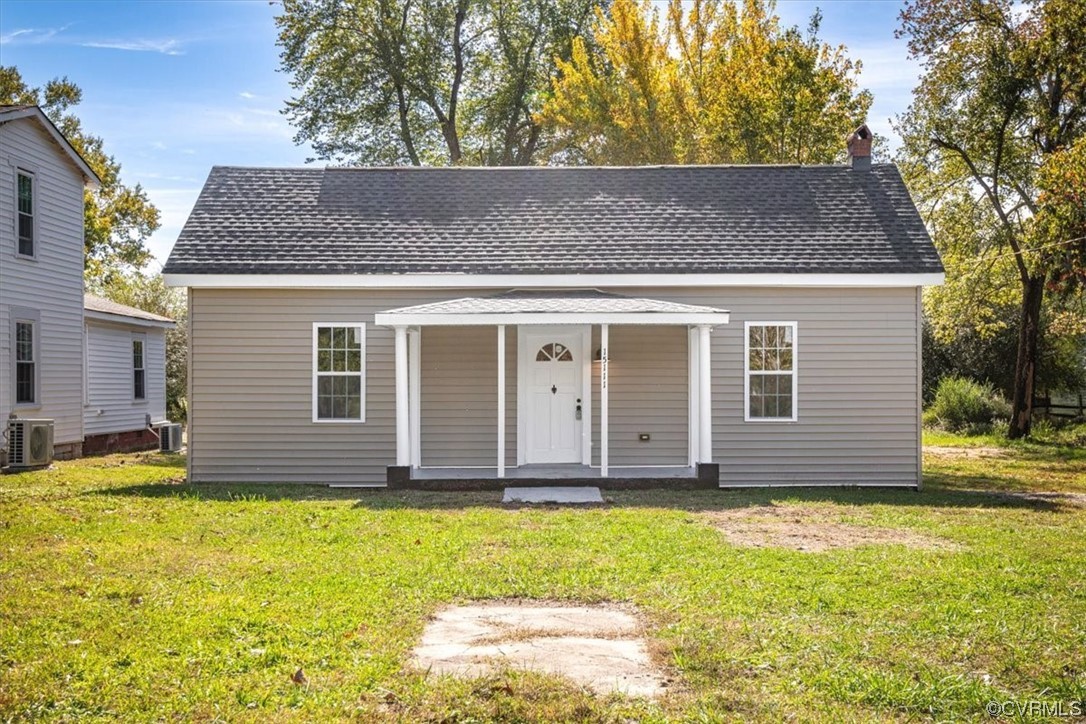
515,169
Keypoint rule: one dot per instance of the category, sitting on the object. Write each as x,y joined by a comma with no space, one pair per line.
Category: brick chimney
859,148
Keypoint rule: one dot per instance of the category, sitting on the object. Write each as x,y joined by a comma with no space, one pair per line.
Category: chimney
859,148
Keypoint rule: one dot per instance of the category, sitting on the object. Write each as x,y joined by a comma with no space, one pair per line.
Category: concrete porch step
565,495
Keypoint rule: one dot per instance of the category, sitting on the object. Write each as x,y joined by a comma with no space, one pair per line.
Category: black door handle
554,390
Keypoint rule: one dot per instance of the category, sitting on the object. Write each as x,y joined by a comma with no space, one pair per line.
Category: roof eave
552,281
95,315
396,319
90,178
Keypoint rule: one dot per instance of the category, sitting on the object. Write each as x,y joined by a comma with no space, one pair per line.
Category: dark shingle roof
670,219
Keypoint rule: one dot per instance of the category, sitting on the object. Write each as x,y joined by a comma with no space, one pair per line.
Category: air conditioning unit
30,443
169,437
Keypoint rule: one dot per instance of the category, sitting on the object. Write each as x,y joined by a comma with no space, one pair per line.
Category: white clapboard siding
52,284
858,357
111,406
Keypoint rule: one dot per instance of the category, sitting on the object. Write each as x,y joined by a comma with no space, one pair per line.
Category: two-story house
44,335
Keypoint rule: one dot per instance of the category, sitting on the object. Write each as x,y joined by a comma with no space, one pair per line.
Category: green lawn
125,593
990,462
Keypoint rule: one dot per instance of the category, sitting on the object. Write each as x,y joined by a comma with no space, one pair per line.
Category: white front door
553,373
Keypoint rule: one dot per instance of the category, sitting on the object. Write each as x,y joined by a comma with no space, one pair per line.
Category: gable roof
107,310
10,113
548,220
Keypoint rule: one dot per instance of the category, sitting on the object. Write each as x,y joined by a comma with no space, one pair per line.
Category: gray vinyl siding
111,405
649,393
459,397
858,398
250,407
51,285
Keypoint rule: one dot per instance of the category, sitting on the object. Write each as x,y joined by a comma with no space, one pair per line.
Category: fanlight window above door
554,351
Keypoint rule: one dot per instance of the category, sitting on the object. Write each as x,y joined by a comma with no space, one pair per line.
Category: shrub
962,405
1054,431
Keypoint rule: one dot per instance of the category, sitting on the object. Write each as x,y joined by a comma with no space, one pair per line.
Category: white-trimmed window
24,213
771,371
339,377
26,362
139,368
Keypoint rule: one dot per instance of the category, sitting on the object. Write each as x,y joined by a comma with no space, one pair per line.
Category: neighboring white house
41,275
42,343
455,327
125,376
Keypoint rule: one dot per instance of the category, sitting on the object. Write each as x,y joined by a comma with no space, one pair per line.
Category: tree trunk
452,139
1025,369
405,126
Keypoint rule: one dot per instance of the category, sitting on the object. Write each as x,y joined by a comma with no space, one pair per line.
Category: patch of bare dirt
811,530
969,453
598,646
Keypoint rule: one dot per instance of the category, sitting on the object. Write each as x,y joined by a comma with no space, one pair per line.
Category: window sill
25,257
786,420
339,422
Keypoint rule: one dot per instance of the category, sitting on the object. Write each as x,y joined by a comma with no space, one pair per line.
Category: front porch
703,476
549,411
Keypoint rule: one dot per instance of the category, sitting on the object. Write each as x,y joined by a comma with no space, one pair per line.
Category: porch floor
555,472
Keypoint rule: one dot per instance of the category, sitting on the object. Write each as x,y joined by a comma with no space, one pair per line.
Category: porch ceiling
588,306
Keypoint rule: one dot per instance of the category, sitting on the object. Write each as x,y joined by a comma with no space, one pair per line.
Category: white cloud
40,36
166,46
31,36
247,95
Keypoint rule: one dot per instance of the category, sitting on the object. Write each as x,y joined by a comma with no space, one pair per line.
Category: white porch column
403,427
501,400
604,394
414,385
693,416
705,401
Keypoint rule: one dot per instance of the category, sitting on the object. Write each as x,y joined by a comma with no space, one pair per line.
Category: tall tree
716,83
118,219
1061,217
423,81
1003,88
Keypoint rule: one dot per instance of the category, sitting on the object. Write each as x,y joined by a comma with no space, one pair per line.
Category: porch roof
585,306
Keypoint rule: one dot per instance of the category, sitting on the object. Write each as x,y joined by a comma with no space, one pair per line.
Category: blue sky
177,86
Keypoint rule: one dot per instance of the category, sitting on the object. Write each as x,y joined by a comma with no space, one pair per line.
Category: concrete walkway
564,496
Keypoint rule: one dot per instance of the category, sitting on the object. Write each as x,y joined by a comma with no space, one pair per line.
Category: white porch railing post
705,401
604,394
403,426
501,400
